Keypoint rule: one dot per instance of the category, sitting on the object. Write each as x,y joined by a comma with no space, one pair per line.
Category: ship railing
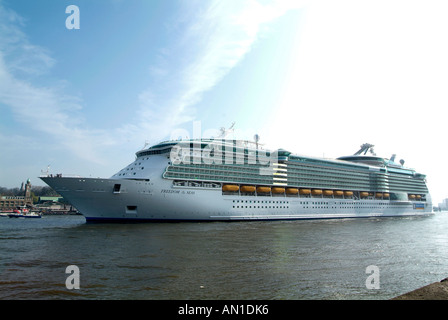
60,175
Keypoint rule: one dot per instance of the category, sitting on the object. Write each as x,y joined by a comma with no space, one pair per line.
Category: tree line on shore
37,191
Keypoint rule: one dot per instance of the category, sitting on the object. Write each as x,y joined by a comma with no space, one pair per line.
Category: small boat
24,213
230,188
248,189
263,189
278,190
364,194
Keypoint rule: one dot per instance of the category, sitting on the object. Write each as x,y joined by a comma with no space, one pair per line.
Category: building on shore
54,205
12,202
443,206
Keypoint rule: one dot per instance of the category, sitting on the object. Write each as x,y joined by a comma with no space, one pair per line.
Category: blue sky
316,77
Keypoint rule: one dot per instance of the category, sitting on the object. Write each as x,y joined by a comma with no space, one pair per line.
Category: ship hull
123,200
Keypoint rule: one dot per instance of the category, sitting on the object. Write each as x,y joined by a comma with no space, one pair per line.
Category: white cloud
213,41
214,37
360,64
369,71
44,109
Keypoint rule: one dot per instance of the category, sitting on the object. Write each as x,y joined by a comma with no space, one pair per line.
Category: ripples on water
313,259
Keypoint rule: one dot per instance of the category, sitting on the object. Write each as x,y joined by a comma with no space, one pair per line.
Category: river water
291,260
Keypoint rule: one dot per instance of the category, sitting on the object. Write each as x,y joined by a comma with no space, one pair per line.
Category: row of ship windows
131,169
377,205
261,207
217,173
256,171
309,207
259,201
248,176
300,167
297,174
312,183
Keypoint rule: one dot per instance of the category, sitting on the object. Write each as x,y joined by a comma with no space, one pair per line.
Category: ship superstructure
222,179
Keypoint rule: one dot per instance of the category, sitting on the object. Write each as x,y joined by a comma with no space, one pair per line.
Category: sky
318,78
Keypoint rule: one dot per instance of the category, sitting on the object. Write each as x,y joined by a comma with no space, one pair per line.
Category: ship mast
364,148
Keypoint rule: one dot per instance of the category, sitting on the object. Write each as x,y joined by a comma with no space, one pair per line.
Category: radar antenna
225,132
256,139
364,148
146,144
47,171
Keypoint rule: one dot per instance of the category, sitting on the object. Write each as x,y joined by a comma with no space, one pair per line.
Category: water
322,259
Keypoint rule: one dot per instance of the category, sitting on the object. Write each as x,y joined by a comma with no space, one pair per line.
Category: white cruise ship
221,180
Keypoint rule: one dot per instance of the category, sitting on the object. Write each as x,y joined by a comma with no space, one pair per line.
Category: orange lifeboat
230,188
412,196
338,193
364,194
305,191
278,190
385,195
249,189
292,191
316,192
378,195
328,192
348,193
263,189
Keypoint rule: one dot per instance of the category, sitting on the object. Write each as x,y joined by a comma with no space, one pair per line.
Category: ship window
131,209
117,188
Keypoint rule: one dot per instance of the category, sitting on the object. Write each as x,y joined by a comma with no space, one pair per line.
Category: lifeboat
364,194
263,189
328,192
418,196
278,190
412,196
316,192
230,188
338,193
378,195
348,193
385,195
292,191
250,189
305,191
